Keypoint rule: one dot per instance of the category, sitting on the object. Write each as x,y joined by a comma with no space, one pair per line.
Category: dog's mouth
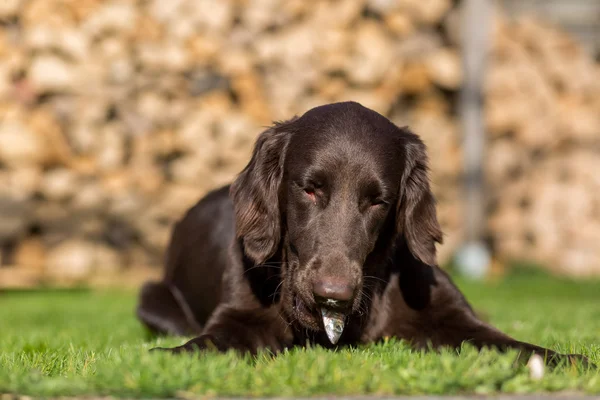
325,317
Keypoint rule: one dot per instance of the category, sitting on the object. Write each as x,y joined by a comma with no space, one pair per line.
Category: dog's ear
255,194
416,213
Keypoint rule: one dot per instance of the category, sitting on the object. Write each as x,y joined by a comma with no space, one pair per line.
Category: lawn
84,342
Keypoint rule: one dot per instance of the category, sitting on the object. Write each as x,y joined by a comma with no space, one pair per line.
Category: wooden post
473,258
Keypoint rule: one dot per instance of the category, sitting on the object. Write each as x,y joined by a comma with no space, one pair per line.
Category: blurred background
117,115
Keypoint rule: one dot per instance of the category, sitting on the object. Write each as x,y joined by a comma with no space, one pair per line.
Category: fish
334,323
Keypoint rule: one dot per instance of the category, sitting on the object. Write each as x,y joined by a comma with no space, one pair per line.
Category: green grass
89,343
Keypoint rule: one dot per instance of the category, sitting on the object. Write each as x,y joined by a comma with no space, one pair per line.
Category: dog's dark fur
342,194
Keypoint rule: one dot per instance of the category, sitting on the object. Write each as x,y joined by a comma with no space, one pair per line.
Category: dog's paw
580,361
573,360
199,344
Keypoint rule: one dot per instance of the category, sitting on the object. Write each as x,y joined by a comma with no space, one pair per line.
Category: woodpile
543,120
117,115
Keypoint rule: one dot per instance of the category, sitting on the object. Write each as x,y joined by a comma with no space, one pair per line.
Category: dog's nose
334,292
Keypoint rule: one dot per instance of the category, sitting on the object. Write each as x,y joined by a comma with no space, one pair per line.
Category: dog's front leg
243,330
428,309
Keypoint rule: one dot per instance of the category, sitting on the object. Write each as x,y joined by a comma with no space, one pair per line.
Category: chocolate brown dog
328,237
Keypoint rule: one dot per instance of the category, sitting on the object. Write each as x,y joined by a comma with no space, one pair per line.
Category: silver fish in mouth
334,324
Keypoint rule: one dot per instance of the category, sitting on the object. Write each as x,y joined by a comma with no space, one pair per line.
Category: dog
327,237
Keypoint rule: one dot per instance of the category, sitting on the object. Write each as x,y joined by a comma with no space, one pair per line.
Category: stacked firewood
543,120
117,115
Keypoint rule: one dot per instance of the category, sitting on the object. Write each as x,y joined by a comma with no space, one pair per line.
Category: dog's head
335,190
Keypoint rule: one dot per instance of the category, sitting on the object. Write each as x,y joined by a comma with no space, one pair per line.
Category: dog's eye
372,203
377,201
311,193
312,189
